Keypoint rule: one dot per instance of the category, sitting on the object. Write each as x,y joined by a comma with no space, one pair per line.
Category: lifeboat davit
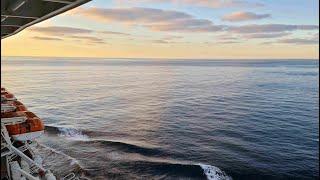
30,129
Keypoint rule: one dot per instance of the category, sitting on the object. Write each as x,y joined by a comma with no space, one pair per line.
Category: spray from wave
214,173
73,134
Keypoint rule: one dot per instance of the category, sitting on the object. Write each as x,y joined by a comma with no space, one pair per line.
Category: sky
192,29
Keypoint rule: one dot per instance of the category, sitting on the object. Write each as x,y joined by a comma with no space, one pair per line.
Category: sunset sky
176,29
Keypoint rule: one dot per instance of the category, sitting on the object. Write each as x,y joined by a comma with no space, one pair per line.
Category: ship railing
70,176
19,152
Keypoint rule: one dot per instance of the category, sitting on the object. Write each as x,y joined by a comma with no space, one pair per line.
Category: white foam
72,160
214,173
73,134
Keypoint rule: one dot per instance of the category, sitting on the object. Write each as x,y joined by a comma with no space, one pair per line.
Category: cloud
265,35
175,21
222,42
161,41
79,34
47,38
227,36
73,33
220,3
89,39
154,19
299,41
164,41
114,33
132,15
270,28
200,3
228,42
170,37
60,30
187,25
244,16
231,38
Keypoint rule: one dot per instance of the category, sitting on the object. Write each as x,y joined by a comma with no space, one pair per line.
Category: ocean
173,119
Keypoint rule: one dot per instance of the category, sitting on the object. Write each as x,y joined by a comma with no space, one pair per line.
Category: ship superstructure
17,15
20,127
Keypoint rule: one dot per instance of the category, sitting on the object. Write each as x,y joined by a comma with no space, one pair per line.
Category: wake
209,171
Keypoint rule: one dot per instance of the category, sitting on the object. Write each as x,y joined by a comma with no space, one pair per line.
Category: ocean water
173,119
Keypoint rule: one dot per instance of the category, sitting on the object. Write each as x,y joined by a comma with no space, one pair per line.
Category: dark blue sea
173,119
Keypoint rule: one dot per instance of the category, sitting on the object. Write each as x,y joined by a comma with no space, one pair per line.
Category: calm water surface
173,119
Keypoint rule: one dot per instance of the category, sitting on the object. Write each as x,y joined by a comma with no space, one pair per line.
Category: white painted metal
7,108
9,25
27,136
69,176
26,158
15,173
50,176
3,98
18,152
68,6
27,175
59,1
3,18
25,166
15,16
14,120
8,167
17,5
6,153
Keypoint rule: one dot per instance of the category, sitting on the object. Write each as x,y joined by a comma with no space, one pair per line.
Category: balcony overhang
17,15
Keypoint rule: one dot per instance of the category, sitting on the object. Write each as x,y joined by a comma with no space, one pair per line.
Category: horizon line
158,58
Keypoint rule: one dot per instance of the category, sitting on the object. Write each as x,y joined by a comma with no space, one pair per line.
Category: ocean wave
177,170
170,168
81,137
69,133
126,147
211,172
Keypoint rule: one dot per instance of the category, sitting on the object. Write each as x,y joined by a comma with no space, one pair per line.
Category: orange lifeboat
14,106
30,129
33,123
7,96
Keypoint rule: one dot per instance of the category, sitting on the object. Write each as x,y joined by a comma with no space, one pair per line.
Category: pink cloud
244,16
200,3
154,19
